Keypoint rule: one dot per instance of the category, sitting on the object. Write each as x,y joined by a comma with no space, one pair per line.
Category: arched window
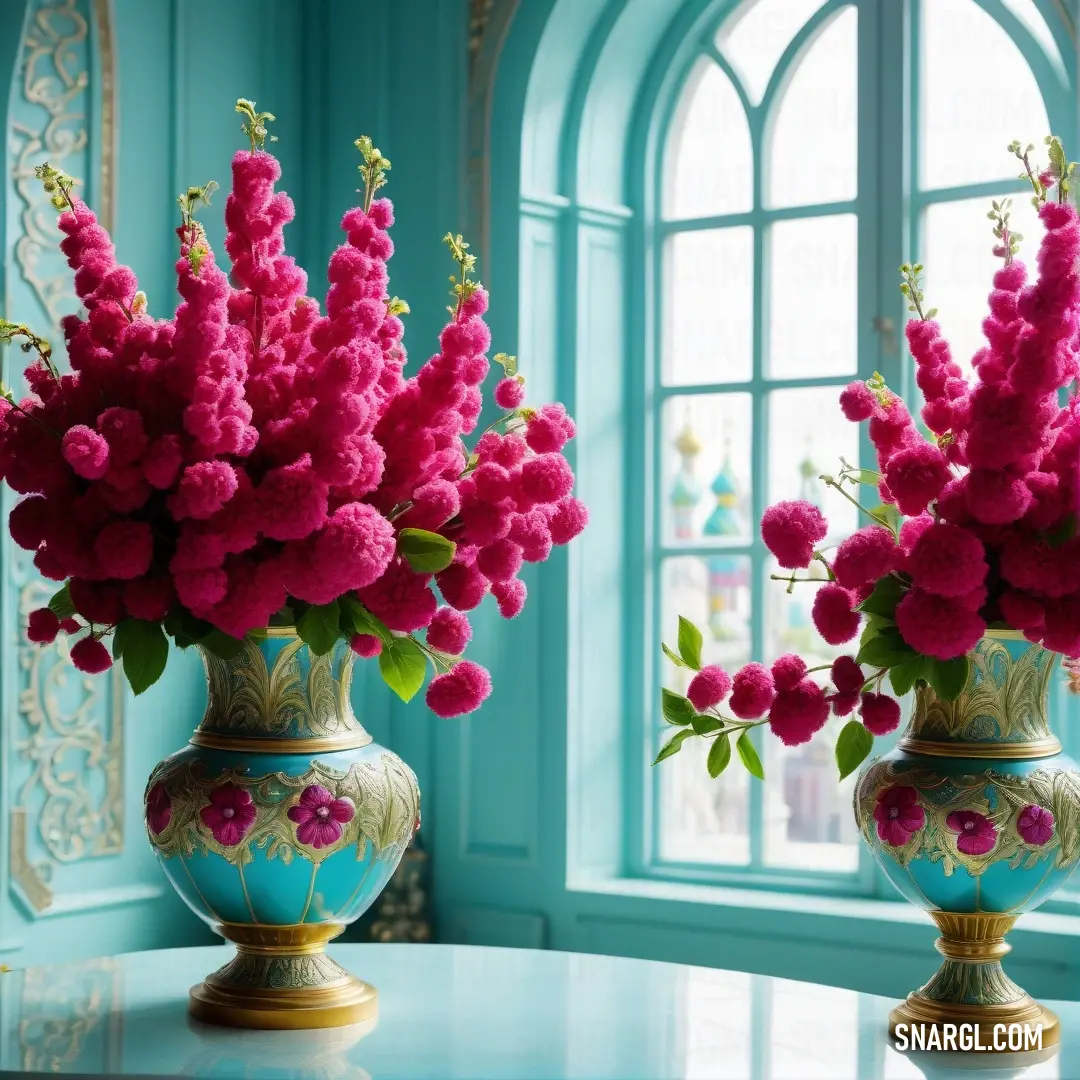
802,150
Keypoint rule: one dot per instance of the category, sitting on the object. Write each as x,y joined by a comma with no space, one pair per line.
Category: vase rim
1005,635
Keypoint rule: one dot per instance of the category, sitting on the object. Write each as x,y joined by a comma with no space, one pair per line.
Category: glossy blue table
481,1014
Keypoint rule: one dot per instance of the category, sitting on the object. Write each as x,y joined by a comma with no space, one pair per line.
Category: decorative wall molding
489,24
66,729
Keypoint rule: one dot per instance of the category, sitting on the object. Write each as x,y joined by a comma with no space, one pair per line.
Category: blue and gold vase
279,825
975,817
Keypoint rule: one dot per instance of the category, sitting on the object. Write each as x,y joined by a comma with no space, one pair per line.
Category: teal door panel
135,100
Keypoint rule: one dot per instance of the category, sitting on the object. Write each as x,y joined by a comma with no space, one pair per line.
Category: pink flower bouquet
254,461
976,527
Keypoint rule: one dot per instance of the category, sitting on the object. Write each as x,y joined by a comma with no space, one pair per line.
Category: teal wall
527,147
532,799
330,70
92,887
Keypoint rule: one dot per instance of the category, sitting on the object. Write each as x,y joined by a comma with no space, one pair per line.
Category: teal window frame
889,206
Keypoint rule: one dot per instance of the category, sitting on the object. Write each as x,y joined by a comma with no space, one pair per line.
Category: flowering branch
911,287
57,184
373,169
1009,245
254,126
9,331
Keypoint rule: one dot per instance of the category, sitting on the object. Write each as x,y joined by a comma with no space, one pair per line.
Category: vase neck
275,696
1001,712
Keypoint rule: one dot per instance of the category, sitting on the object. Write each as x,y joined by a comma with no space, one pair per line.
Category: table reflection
485,1014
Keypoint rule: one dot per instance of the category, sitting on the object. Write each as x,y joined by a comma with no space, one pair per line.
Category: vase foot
281,978
937,1025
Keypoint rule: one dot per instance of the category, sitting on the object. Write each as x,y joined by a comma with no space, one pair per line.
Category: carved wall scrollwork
66,733
489,22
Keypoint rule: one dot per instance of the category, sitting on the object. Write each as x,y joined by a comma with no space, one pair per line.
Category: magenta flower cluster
253,454
973,527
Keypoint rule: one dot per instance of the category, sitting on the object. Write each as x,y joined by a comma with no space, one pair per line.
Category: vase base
350,1002
940,1025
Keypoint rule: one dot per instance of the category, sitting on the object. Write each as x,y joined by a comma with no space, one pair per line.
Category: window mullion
759,467
886,172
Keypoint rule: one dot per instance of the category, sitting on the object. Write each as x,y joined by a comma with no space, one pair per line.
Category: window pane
702,820
977,93
1029,14
714,594
813,149
709,166
755,37
812,297
706,475
957,248
808,821
808,435
708,308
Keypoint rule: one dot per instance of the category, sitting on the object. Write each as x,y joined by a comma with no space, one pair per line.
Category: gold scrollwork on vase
1004,700
971,821
312,816
246,696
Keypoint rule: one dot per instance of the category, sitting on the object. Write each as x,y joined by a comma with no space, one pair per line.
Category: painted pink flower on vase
1035,825
158,809
976,833
319,816
229,815
898,815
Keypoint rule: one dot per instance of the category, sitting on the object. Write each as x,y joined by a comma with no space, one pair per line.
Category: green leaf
356,619
904,675
704,724
320,627
672,745
690,643
222,645
885,649
948,677
749,756
719,755
870,477
60,604
403,666
883,600
678,661
184,628
144,649
1055,538
873,626
889,514
427,552
677,710
852,747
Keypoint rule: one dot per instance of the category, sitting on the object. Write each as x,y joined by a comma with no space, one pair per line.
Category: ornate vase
975,817
279,824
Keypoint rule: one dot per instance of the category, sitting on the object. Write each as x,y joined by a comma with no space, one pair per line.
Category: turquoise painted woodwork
279,824
993,825
566,121
135,100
